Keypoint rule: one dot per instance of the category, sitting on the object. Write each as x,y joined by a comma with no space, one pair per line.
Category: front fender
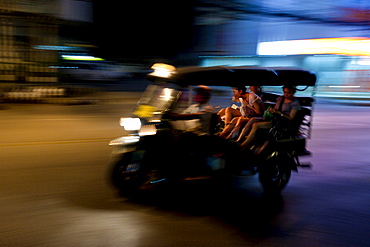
124,144
127,144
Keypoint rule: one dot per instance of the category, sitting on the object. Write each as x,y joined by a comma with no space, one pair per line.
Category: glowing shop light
81,58
58,48
338,46
344,86
365,62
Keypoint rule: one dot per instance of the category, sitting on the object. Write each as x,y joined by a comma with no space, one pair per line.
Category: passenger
287,106
222,113
257,90
227,114
252,106
198,115
242,121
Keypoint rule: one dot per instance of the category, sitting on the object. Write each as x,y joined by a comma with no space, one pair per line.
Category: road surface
54,191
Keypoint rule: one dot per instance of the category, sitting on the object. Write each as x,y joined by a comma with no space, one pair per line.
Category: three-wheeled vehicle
158,150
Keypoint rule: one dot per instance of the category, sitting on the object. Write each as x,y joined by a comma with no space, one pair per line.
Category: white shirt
247,108
203,123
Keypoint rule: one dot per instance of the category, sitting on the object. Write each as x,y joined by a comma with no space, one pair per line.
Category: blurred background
57,43
70,69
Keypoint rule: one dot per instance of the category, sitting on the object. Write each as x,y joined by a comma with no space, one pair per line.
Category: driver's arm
187,114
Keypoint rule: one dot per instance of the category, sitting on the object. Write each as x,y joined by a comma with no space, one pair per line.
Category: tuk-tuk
159,150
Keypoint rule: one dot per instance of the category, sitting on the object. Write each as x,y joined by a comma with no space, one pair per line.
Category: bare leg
221,112
248,127
240,124
252,134
230,113
229,127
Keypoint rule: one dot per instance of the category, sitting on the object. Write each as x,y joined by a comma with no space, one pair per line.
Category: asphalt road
54,191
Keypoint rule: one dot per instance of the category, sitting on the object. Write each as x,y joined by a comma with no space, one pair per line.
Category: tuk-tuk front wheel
274,175
127,175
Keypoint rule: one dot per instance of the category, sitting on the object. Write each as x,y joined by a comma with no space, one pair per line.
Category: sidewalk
10,93
97,98
348,98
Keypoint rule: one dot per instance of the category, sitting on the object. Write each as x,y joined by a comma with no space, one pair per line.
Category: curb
344,101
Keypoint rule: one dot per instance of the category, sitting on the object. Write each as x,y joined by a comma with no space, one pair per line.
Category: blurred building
30,41
36,34
137,31
290,33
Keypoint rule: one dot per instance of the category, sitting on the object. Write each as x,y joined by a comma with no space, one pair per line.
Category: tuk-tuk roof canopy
239,75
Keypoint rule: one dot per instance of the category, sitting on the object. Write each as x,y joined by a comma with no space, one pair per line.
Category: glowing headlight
130,124
163,70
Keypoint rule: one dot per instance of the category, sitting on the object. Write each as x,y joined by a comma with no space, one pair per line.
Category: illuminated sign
81,58
355,46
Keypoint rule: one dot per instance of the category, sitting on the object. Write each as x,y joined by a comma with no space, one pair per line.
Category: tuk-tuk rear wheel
275,174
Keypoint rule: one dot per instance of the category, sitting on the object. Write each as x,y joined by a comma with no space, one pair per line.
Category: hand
273,110
235,99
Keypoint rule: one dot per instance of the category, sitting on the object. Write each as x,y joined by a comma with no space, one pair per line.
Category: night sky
143,29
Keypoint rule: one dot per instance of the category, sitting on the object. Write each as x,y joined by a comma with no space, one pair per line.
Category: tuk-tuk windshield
155,100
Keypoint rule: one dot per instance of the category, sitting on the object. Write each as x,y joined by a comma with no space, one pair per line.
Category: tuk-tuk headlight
130,124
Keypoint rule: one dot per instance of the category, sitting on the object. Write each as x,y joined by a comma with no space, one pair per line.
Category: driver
195,141
198,116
